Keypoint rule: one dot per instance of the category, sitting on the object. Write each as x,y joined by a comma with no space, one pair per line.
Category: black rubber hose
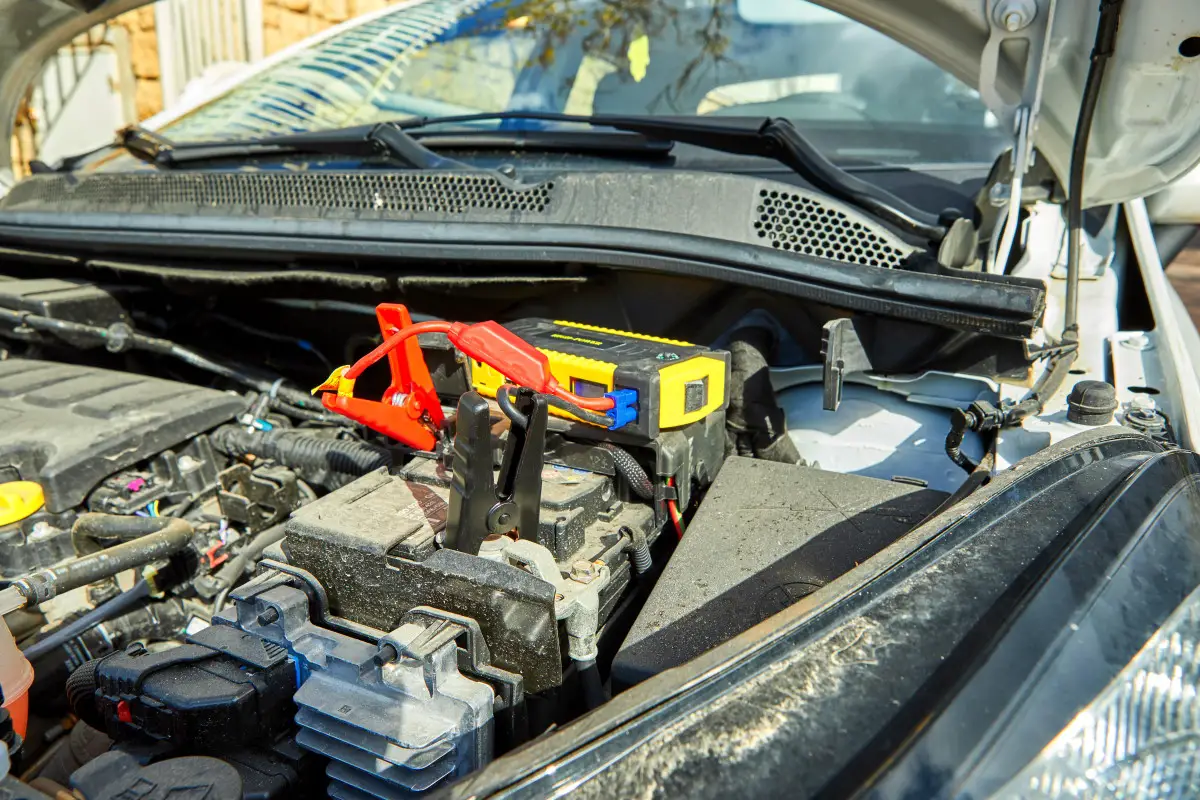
120,337
157,538
960,423
629,469
1102,49
93,532
101,613
84,743
755,424
973,419
302,451
308,415
154,621
1050,382
592,688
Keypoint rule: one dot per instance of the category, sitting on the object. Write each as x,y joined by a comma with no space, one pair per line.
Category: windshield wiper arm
767,137
142,144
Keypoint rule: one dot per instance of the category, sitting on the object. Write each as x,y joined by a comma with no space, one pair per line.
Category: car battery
677,383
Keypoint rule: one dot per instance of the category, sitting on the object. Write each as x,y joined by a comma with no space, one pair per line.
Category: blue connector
624,410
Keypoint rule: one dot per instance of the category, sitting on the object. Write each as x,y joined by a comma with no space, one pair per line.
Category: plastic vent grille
801,224
366,763
396,192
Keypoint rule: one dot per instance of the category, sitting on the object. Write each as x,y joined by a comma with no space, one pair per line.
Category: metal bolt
1138,342
1013,15
583,572
999,193
1143,407
387,654
268,616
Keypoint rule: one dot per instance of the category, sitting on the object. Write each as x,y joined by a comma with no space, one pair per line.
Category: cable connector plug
624,410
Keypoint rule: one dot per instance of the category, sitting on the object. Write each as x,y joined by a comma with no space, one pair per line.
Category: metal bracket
1027,22
260,497
843,353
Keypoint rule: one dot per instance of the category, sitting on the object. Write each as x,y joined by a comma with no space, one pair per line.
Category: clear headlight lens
1140,737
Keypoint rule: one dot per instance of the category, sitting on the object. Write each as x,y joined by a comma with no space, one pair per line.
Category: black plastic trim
1003,309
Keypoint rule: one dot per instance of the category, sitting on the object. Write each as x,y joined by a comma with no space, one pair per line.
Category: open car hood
1144,134
1031,53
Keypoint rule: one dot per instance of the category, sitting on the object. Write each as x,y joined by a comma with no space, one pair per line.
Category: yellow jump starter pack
676,383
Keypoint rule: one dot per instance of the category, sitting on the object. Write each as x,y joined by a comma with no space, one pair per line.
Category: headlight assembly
1090,688
1140,737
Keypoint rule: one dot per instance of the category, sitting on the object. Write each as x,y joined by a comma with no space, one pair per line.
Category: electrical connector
624,410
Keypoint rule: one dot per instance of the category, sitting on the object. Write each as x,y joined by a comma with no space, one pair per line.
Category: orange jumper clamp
410,411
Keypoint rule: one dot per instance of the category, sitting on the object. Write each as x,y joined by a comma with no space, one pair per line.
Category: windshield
855,93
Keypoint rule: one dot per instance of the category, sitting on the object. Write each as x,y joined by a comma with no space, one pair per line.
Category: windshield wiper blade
381,139
356,141
615,143
766,137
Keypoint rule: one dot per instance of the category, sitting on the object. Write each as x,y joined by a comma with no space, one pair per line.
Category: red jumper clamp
410,411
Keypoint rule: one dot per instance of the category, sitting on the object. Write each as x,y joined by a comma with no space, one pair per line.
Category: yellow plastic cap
18,500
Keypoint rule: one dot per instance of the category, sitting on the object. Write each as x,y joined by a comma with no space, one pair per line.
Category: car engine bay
376,588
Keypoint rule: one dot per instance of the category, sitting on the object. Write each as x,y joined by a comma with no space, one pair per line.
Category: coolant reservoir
18,500
16,675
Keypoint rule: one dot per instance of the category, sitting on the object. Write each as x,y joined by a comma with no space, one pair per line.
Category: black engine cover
69,427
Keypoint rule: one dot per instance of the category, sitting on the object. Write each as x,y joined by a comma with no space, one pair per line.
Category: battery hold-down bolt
584,572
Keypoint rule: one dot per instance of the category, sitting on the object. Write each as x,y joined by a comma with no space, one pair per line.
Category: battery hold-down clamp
410,411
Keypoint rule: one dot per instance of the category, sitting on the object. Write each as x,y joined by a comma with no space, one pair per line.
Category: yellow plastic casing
678,383
19,500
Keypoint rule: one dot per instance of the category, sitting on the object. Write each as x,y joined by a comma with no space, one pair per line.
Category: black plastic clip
482,502
843,353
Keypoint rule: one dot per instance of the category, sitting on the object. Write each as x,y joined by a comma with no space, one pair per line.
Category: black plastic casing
222,688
